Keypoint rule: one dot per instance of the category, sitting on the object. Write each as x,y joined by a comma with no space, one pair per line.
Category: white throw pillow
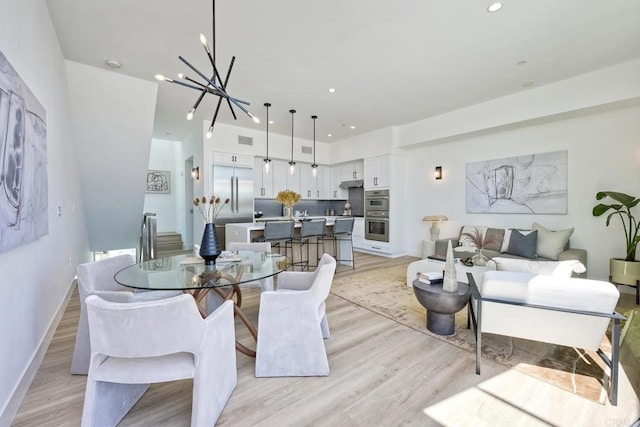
551,243
547,268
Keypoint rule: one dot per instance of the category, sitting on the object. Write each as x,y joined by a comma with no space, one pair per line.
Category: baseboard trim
13,405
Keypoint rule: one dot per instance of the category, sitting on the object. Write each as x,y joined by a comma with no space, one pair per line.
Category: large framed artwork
533,184
23,162
158,182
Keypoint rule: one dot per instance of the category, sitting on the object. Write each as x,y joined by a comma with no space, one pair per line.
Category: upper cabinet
231,159
263,187
283,179
312,187
377,172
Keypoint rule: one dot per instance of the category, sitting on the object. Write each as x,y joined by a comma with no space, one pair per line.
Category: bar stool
311,228
342,231
276,233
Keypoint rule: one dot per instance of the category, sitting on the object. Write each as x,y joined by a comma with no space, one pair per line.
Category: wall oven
376,200
376,225
376,215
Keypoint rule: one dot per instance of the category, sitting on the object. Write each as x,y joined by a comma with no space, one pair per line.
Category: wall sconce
195,173
438,173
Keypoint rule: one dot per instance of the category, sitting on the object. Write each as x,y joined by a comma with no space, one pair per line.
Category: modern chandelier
210,85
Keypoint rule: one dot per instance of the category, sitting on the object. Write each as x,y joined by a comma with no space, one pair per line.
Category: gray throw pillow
523,245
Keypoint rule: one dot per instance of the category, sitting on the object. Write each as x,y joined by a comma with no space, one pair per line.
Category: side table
441,305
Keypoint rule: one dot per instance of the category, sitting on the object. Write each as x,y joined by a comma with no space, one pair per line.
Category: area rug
384,292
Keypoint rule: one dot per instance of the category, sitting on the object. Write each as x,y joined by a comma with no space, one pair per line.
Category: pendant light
292,164
267,160
314,166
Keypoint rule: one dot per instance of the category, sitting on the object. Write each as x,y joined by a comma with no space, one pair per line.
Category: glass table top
187,272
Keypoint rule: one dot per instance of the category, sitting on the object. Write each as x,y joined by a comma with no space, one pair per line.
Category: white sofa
560,310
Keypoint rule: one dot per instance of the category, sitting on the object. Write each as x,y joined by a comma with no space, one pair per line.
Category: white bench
565,311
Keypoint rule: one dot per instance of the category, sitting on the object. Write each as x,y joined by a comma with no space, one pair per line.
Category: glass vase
288,212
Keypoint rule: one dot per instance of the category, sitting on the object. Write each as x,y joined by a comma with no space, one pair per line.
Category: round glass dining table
190,274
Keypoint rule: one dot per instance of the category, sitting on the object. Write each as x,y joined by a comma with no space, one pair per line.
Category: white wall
167,155
36,277
603,154
113,124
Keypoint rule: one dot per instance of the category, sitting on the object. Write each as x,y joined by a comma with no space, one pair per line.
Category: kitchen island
247,231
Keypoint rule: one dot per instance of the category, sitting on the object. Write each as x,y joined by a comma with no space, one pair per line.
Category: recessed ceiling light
494,7
270,122
352,127
332,90
329,135
528,84
521,63
112,64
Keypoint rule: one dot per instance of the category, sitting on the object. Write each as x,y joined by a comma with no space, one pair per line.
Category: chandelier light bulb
314,170
254,118
203,39
210,132
292,168
160,77
267,165
190,114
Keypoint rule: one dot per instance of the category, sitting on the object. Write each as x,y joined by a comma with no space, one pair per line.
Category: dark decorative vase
209,248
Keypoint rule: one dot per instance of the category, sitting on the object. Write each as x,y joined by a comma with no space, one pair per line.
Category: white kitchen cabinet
282,179
352,170
377,172
311,186
358,233
336,178
232,159
263,185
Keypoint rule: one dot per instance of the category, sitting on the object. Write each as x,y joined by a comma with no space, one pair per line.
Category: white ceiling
391,62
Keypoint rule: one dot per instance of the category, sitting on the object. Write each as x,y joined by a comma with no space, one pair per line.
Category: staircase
169,243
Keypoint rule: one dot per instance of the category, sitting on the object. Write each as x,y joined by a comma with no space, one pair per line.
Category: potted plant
623,270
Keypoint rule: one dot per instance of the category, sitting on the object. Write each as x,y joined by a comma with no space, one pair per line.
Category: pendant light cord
292,113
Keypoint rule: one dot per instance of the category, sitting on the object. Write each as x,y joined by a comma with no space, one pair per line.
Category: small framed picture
158,182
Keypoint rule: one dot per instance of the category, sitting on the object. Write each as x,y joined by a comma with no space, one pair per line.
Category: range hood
352,184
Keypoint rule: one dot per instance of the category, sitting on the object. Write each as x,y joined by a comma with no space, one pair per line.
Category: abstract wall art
158,182
23,162
532,184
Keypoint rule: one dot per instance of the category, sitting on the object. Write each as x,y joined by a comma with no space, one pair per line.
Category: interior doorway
188,204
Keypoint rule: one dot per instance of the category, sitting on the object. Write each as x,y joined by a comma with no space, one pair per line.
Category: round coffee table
441,305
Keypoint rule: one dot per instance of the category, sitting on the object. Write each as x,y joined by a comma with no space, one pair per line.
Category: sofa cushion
571,293
524,245
494,238
549,268
551,243
507,237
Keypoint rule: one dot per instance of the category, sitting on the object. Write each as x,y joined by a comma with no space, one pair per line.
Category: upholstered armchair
135,344
292,323
97,278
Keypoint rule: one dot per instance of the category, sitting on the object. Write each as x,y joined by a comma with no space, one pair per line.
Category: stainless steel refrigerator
235,183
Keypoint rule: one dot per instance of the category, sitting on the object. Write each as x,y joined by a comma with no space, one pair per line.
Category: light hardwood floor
382,374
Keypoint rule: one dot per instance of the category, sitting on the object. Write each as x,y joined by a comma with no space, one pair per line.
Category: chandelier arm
184,84
213,64
195,106
224,85
212,83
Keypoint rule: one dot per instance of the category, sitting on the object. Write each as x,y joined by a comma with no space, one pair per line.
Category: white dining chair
97,278
292,323
136,344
